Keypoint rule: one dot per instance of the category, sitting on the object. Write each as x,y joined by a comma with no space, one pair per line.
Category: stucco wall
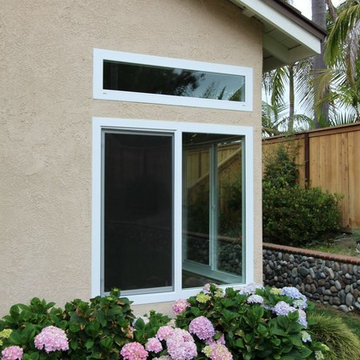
46,109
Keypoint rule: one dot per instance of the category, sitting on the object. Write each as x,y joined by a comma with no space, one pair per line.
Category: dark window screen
137,211
172,81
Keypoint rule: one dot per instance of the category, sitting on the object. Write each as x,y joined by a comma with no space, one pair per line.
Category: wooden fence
330,159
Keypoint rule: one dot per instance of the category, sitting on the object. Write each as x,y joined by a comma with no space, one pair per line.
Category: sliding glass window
138,208
213,203
171,208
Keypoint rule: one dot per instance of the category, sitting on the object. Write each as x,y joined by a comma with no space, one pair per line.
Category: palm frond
341,32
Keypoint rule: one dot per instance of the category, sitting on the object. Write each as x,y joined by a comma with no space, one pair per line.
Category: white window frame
100,93
176,128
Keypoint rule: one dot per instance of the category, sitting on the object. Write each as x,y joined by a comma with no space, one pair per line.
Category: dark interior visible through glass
151,79
138,224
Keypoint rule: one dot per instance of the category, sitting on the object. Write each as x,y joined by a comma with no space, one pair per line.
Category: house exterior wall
47,106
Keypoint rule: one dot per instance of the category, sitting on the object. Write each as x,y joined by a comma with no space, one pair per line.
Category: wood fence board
314,162
354,179
334,165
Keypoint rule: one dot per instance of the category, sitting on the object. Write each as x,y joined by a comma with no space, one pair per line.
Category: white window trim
100,93
176,128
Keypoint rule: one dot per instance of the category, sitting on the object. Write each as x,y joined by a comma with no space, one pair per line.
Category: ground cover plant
251,323
342,337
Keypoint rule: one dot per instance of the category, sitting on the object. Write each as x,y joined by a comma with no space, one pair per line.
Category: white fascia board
281,22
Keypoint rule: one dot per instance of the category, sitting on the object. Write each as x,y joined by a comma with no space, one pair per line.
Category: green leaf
106,343
15,338
89,344
239,343
195,311
262,330
296,341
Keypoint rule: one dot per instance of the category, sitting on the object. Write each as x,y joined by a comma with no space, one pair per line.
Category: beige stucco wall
46,110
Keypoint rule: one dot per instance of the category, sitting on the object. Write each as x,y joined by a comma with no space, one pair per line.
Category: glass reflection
123,76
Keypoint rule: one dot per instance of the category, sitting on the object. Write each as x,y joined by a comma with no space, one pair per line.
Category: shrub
256,322
333,332
253,323
99,328
24,322
293,215
296,216
281,169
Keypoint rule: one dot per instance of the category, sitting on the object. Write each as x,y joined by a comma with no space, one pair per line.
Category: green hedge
293,215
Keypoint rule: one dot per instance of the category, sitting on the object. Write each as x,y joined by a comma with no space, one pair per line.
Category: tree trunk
291,99
321,115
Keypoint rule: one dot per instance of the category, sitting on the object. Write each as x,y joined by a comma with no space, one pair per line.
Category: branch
332,10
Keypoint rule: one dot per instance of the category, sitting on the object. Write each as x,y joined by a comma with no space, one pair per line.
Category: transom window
143,78
172,207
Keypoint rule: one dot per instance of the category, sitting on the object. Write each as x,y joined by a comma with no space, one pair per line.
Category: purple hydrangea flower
164,332
206,288
300,303
302,318
51,339
283,308
293,293
133,351
153,345
255,299
217,351
202,328
250,289
180,306
181,345
12,353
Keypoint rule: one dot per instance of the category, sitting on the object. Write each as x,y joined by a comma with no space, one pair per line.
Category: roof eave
277,15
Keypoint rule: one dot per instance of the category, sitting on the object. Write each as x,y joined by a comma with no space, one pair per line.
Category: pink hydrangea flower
202,328
180,306
206,288
153,345
181,345
164,332
133,351
51,339
217,351
12,353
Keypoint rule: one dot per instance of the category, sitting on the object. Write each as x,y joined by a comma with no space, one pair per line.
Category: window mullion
213,208
177,204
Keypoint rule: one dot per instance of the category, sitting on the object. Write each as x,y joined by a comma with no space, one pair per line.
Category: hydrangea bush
250,323
256,323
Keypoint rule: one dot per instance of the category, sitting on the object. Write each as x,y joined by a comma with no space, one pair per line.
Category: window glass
138,224
229,205
152,79
212,209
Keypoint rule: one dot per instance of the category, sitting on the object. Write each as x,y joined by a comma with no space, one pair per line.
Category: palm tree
342,56
321,113
294,79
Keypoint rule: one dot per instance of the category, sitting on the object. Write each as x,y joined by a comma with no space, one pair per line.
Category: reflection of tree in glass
238,95
183,84
171,81
230,209
150,79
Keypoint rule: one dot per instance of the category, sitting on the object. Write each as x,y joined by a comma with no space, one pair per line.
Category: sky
305,6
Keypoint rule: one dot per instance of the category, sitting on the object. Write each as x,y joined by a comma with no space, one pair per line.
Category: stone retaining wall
322,277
